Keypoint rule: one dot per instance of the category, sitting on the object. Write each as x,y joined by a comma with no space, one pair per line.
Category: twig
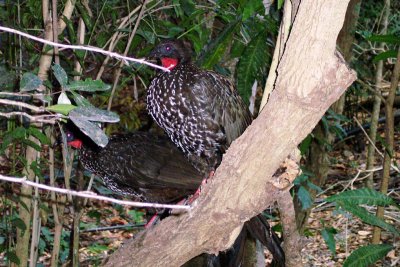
128,45
114,227
22,104
91,195
372,143
81,47
21,94
32,118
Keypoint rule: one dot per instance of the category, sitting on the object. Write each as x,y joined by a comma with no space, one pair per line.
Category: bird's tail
259,229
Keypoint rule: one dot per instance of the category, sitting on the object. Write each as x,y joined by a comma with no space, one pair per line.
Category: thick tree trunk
241,187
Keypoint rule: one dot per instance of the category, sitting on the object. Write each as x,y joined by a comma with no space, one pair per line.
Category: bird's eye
167,48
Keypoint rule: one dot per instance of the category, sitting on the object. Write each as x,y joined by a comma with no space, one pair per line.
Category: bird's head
72,141
170,53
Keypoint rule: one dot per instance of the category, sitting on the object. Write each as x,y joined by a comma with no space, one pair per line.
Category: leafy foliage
30,82
328,234
367,217
363,196
252,65
367,255
303,183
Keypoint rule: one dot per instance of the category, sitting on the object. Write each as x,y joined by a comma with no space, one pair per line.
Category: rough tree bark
310,78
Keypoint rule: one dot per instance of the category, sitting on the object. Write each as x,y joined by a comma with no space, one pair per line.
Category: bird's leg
153,221
198,191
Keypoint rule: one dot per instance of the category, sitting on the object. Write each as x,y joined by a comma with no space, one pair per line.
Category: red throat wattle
169,63
75,143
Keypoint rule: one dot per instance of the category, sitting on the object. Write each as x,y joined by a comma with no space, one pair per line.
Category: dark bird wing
222,106
143,165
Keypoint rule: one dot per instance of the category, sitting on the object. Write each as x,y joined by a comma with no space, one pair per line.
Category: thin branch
22,104
20,94
377,150
32,118
128,45
114,227
81,47
91,195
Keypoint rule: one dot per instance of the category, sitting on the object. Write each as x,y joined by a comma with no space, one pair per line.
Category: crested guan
151,168
200,110
145,166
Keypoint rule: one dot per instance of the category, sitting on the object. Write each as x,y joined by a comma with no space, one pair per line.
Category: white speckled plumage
200,110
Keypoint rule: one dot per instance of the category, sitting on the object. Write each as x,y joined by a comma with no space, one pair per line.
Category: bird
202,113
200,110
141,165
149,167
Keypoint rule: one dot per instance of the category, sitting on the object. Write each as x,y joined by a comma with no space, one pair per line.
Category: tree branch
55,118
22,104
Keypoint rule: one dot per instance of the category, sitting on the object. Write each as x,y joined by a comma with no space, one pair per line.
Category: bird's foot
198,191
153,221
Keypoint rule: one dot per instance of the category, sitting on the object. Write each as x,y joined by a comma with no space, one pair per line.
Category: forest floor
346,173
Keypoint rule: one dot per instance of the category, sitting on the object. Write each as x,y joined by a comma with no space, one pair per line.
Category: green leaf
94,114
91,130
252,65
363,196
97,248
305,144
329,236
80,100
314,186
17,222
84,15
94,214
304,197
385,38
217,47
188,7
61,108
88,85
30,82
367,217
39,135
385,55
60,75
280,4
136,215
36,168
32,144
302,178
367,255
70,27
248,10
12,257
19,133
